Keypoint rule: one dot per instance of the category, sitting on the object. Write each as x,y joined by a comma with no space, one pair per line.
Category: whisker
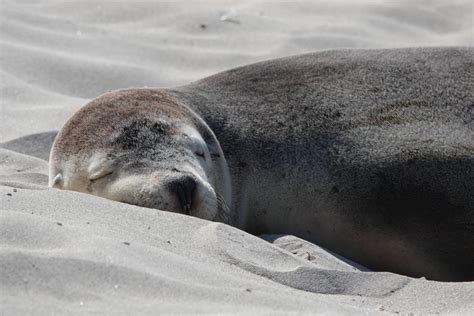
223,210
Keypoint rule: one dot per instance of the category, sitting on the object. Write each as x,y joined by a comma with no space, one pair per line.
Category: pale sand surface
64,252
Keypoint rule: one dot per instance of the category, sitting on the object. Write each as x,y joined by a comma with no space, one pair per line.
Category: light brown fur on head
100,116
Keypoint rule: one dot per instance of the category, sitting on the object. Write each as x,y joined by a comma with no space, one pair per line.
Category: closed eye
200,154
99,176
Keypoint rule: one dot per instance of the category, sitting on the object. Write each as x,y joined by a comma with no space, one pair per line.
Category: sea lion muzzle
183,187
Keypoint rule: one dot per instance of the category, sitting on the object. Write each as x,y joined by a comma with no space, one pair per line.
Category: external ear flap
57,181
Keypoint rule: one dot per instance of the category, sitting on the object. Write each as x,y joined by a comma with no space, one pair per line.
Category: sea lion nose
184,187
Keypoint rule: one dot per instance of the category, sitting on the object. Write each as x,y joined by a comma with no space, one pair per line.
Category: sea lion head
143,147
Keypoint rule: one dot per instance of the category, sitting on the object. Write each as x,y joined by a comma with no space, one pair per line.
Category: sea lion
369,153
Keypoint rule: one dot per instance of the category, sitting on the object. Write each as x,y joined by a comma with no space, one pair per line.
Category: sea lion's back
300,99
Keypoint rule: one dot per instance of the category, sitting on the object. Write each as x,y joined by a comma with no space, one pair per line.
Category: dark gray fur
377,145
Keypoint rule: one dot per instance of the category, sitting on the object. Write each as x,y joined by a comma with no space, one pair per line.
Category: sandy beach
65,252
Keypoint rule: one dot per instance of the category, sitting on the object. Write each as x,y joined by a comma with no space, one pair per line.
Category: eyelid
198,149
100,169
200,154
100,175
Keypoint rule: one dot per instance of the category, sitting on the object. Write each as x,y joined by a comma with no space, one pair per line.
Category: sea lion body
369,153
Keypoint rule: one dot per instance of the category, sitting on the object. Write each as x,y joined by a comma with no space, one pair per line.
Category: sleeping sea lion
369,153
